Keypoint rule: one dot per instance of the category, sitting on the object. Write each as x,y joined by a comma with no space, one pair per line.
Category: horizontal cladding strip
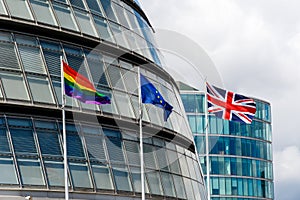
108,120
71,37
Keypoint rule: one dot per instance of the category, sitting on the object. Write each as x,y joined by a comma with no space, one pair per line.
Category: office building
240,155
106,41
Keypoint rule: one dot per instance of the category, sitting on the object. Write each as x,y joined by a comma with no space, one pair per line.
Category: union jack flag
229,105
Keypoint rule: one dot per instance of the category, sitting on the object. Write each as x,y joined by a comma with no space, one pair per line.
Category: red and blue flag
229,105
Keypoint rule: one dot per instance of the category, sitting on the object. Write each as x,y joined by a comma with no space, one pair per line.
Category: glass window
118,32
85,23
103,29
52,59
31,172
55,173
49,143
132,150
77,3
23,141
74,145
4,147
2,8
161,156
65,16
106,4
124,104
95,147
8,173
102,177
188,188
173,159
168,184
120,14
183,165
14,86
149,158
40,89
8,58
115,149
131,82
32,60
96,67
43,12
154,182
178,182
94,6
19,8
192,123
121,177
136,179
80,175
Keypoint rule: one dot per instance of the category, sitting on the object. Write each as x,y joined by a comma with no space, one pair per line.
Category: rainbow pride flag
79,87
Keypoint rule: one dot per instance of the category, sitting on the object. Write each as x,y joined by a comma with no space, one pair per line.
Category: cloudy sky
255,46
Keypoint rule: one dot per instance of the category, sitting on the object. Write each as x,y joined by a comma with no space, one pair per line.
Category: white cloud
287,176
256,47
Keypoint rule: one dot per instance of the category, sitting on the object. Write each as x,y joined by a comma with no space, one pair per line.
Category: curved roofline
137,8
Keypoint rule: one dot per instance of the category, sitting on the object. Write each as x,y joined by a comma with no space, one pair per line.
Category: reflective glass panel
65,16
55,173
19,8
8,58
8,173
49,143
121,176
2,8
40,89
30,171
168,184
124,104
154,182
32,60
4,147
103,29
14,86
85,23
102,177
23,141
43,12
80,175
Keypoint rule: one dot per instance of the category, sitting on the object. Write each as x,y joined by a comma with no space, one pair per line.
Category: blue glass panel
23,141
106,4
8,172
74,145
49,143
4,147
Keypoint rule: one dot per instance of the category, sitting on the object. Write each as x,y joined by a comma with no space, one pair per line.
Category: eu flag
151,95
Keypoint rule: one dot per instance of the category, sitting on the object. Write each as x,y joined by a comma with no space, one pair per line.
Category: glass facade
111,21
240,155
102,140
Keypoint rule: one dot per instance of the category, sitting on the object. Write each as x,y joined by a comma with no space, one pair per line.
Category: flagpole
64,130
141,136
206,142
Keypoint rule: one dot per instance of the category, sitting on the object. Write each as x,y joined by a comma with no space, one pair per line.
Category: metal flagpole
141,136
206,143
64,130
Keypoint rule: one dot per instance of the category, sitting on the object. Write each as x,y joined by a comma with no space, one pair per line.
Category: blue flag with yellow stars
151,95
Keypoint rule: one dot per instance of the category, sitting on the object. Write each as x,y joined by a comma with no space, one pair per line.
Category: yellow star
160,101
158,97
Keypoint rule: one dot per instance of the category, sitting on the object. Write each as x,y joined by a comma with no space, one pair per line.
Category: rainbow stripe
79,87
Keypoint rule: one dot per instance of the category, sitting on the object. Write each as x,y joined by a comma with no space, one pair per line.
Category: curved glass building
106,41
240,155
